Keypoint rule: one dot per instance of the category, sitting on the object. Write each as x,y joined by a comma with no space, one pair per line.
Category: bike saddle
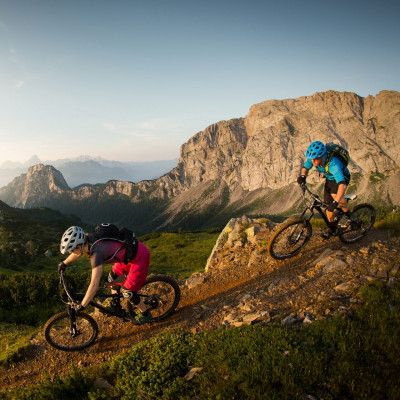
350,196
120,280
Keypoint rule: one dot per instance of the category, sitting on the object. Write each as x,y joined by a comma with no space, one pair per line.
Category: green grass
174,253
179,254
351,356
390,222
14,341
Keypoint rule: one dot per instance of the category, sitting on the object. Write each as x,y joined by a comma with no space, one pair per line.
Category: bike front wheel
289,238
354,229
69,331
161,294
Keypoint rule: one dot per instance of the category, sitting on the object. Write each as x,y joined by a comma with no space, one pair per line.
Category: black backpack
334,149
107,231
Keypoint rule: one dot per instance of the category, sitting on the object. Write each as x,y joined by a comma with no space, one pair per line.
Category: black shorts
331,187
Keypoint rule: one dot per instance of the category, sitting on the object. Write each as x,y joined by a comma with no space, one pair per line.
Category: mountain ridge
92,170
249,164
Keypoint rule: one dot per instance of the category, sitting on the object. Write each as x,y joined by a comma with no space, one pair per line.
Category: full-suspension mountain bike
293,234
71,330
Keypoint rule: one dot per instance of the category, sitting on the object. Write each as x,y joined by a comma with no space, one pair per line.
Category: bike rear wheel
289,238
362,220
161,294
70,332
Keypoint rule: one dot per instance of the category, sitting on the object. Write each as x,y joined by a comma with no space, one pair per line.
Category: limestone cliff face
241,160
34,187
266,149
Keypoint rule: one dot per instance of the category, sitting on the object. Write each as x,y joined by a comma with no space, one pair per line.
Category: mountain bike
292,235
71,330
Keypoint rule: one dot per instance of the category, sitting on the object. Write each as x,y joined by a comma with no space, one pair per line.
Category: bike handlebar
315,197
66,290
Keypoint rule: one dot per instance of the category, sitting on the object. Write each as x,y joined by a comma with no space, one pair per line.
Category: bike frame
317,205
73,297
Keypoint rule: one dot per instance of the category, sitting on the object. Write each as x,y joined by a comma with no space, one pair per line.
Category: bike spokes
158,296
289,238
161,294
361,221
66,333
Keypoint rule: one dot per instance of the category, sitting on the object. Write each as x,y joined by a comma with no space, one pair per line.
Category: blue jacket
337,170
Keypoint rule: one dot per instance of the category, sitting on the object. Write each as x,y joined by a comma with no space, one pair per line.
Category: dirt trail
276,287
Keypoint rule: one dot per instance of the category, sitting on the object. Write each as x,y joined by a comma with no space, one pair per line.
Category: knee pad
133,297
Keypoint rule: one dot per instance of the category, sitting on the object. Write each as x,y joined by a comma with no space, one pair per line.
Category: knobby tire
57,331
289,238
362,217
161,294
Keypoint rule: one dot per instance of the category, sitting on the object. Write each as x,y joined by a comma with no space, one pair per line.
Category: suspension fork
72,316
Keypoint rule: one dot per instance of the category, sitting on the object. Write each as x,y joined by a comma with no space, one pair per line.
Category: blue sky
133,80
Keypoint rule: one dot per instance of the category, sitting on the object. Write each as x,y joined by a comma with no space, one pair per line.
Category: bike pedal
326,235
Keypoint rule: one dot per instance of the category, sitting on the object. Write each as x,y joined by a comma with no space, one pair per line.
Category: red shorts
136,270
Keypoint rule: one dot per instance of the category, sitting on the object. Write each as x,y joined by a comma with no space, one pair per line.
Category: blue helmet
316,150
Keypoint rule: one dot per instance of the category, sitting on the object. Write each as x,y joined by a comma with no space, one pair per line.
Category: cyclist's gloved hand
301,180
78,307
333,206
62,267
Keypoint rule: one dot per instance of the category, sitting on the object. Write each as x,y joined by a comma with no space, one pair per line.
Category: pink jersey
106,251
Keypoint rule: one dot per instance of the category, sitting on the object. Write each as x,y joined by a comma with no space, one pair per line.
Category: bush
155,368
30,299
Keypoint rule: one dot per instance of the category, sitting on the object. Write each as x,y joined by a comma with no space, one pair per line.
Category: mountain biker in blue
337,180
108,251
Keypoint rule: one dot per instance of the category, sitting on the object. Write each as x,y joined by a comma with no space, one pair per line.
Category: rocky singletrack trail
242,284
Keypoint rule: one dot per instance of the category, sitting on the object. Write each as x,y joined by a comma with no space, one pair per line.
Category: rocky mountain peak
35,187
248,162
40,174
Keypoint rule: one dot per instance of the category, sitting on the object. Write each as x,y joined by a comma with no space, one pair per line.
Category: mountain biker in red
337,179
107,251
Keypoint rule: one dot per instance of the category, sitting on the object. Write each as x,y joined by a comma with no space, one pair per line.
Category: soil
245,281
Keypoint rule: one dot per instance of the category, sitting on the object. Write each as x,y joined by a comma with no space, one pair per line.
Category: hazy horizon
80,158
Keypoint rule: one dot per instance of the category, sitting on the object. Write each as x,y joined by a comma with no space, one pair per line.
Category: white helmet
72,237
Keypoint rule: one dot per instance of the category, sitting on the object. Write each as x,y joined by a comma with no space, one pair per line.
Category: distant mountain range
86,169
241,166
